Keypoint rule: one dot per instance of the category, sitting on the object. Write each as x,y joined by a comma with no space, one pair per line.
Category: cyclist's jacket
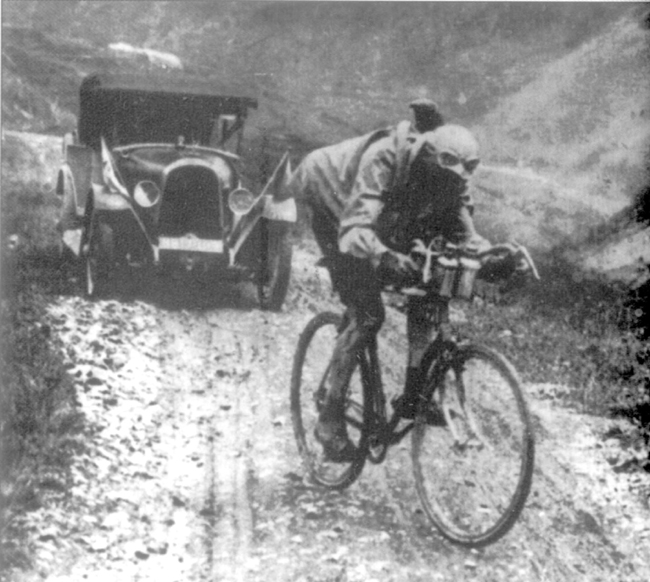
366,186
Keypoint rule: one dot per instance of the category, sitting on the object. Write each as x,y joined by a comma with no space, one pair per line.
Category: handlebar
518,251
450,270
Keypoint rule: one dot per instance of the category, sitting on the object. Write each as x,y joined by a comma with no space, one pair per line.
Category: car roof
172,84
128,108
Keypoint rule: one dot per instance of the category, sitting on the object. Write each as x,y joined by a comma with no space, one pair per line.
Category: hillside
323,71
147,434
558,93
585,120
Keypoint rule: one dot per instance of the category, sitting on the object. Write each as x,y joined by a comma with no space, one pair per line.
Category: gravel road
189,470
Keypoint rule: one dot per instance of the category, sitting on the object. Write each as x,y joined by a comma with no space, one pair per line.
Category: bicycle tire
473,492
310,367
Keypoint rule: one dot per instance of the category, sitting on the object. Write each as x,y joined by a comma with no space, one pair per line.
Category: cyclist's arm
460,227
357,235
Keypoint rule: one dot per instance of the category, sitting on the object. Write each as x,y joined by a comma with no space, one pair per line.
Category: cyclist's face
441,181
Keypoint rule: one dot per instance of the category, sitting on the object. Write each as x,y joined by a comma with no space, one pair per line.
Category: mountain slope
586,117
573,147
558,93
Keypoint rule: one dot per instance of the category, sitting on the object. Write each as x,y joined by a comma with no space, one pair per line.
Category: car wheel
275,266
98,260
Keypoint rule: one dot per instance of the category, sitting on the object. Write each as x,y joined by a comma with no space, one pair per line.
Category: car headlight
146,193
240,201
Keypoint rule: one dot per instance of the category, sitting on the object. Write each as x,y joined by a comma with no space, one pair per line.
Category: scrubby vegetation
310,88
586,338
38,414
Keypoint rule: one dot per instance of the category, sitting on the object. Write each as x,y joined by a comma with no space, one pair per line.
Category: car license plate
190,244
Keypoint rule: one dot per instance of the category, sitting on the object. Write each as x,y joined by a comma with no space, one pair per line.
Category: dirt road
189,470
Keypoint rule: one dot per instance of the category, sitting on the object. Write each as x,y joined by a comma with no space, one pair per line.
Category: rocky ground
187,469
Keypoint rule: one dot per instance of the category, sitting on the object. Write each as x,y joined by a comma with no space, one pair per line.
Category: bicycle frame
450,369
382,432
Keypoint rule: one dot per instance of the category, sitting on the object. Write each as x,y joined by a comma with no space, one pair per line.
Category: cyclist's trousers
361,294
356,283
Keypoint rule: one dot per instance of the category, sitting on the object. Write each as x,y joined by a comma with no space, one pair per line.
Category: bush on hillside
588,338
38,412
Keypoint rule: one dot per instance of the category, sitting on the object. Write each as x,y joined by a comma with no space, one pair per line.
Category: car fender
277,206
105,202
77,169
267,205
283,210
70,223
67,191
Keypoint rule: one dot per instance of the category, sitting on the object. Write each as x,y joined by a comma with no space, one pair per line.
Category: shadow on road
54,275
187,291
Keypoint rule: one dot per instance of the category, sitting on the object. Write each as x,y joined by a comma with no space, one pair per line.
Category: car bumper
190,244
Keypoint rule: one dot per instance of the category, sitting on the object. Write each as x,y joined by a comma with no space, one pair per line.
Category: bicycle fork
450,395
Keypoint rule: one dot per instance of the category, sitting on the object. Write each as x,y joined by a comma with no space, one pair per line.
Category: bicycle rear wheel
473,484
308,389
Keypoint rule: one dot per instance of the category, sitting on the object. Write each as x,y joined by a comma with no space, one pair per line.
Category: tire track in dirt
193,473
231,538
139,490
190,472
187,432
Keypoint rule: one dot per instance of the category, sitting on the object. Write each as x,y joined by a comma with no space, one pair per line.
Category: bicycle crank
377,448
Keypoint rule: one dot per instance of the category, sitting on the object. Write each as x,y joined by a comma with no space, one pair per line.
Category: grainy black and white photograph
324,291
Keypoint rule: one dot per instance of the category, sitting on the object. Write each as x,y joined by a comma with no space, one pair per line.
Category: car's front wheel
98,256
275,265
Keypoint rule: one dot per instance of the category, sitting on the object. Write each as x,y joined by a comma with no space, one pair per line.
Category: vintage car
150,180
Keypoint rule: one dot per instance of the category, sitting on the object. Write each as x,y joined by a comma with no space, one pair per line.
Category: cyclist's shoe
405,406
337,446
434,415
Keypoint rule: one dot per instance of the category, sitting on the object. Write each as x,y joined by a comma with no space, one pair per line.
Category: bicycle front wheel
311,368
474,473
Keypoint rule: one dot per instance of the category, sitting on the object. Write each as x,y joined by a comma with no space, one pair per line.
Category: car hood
157,161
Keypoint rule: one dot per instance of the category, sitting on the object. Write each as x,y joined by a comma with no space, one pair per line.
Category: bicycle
473,472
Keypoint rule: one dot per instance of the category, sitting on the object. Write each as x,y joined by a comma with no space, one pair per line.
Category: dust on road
189,470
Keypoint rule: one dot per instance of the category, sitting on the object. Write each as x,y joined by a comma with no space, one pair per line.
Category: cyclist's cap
427,115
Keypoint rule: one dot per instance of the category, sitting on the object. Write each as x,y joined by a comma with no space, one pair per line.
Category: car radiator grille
191,204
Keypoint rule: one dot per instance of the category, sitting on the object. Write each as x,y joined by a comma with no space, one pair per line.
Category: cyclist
370,197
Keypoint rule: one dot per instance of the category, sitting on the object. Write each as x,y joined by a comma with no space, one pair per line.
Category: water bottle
445,275
469,266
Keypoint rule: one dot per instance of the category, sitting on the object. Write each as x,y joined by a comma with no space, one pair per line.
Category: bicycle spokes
321,393
309,386
354,413
474,473
459,417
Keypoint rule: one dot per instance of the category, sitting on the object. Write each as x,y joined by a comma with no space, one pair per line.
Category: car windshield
125,114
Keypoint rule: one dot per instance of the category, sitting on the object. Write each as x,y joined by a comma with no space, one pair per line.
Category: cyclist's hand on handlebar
498,268
506,260
398,269
478,244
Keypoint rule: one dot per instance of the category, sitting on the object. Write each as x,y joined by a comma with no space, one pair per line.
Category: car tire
98,257
275,267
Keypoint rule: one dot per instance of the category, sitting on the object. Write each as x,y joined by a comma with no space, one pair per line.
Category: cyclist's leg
324,225
424,317
360,292
354,280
